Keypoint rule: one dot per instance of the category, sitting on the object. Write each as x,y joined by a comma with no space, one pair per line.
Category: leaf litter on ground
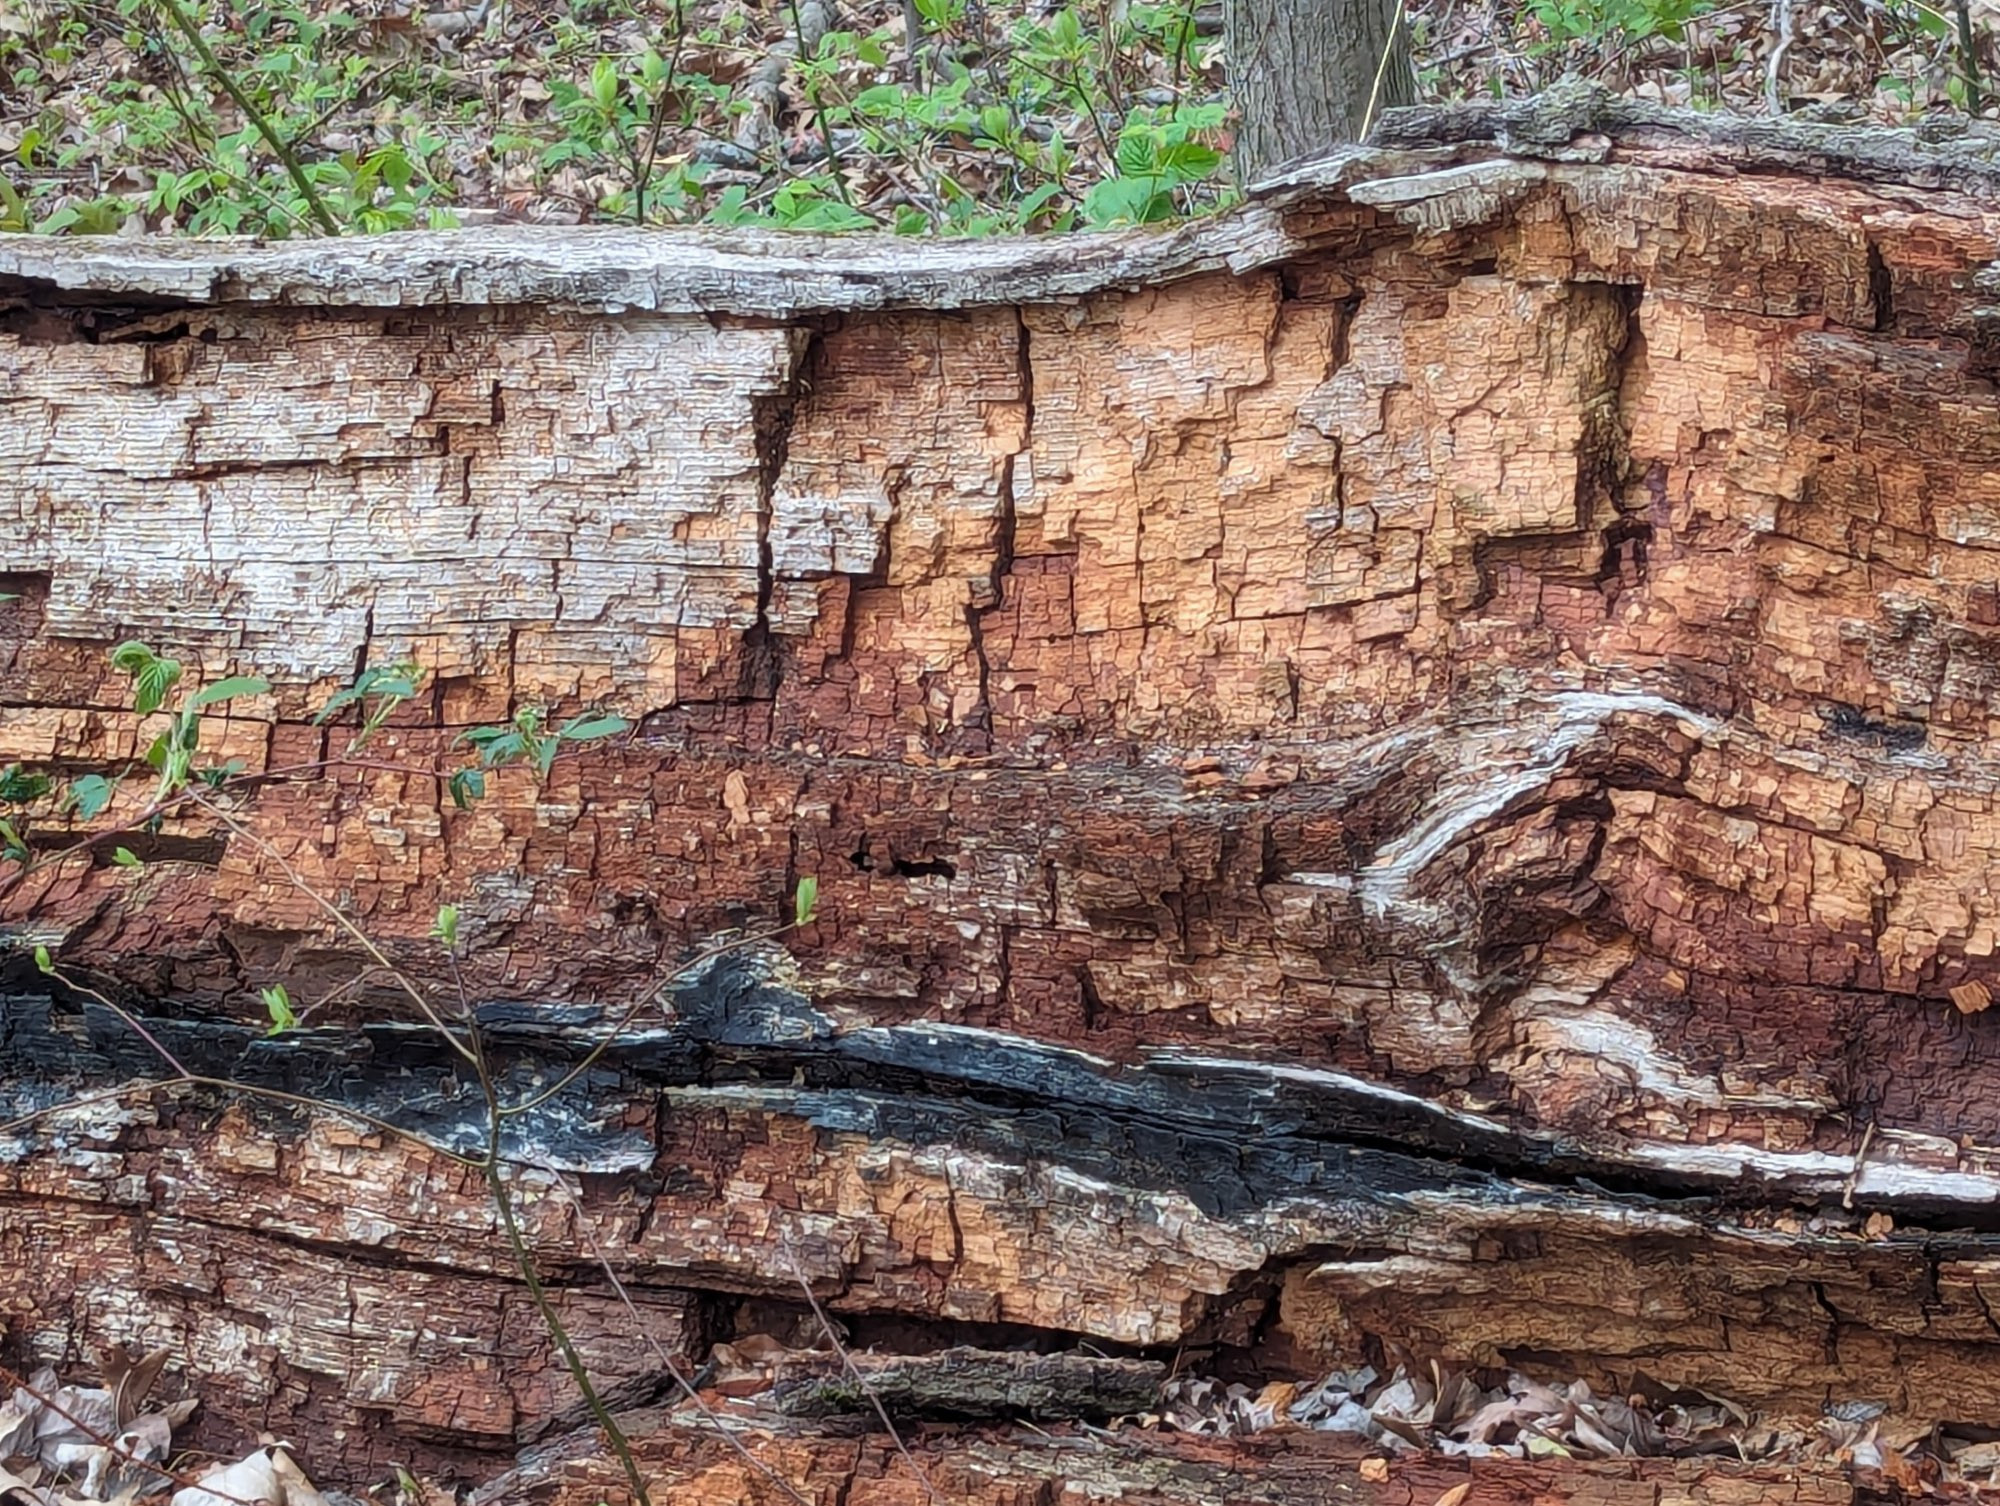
1442,1410
66,1445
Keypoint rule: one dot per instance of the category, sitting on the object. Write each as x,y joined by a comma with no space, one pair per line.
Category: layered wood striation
1409,766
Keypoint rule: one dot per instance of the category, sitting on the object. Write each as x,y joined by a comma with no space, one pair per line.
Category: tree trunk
1401,773
1309,77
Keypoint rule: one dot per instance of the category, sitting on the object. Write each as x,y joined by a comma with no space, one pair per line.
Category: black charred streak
1854,725
1229,1135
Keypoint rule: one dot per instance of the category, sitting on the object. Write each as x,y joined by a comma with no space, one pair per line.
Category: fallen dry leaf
1455,1496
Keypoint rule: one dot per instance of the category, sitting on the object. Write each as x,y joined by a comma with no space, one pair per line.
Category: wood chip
1375,1471
1972,998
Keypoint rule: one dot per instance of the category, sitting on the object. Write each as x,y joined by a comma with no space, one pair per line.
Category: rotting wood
964,1467
1407,765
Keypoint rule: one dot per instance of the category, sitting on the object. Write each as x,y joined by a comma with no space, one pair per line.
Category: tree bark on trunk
1402,773
1309,77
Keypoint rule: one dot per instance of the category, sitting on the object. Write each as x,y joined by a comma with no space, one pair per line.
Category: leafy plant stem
644,177
503,1204
264,128
819,114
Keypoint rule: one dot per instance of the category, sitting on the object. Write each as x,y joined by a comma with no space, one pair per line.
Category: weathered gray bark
1311,75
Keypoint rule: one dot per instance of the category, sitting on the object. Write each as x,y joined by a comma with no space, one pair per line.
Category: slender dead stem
1968,60
1774,68
853,1372
218,1084
667,1362
1860,1159
1381,71
158,809
339,918
644,1001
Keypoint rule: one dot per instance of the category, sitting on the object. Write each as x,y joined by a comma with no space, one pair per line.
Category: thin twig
1381,71
812,98
236,783
667,1362
496,1183
1083,98
255,116
1968,60
218,1084
645,178
339,918
853,1372
1854,1173
632,1013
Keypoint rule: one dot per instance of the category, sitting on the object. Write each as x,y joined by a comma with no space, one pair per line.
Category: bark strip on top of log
1407,765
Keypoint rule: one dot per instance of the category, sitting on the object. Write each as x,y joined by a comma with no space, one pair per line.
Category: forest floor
122,115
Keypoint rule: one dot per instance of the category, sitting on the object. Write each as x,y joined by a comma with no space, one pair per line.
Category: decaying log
1276,1470
1406,768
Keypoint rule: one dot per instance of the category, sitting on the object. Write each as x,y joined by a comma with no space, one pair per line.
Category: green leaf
12,847
230,689
604,84
1192,161
90,794
387,685
805,900
124,857
1138,153
42,960
588,728
1131,201
445,927
152,676
222,773
1035,202
153,683
278,1004
467,785
17,788
886,100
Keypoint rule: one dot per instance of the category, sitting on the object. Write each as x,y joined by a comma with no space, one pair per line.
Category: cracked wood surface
1409,765
964,1466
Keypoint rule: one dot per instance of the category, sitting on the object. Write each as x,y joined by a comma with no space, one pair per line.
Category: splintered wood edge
1465,161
